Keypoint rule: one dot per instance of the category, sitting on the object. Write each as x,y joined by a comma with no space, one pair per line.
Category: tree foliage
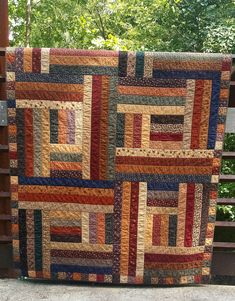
227,190
154,25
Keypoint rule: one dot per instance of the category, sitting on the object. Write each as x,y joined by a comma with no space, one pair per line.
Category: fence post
5,210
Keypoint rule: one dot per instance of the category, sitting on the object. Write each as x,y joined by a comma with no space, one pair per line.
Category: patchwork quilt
115,160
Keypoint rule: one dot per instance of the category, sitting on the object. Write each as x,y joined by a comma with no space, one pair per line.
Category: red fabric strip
103,147
100,278
162,203
13,155
164,161
156,230
36,60
150,257
66,230
137,130
65,198
226,65
189,215
95,126
166,136
81,254
133,228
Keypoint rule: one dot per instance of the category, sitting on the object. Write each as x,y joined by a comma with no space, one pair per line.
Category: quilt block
115,160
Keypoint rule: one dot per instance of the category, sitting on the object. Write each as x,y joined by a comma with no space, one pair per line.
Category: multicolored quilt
115,160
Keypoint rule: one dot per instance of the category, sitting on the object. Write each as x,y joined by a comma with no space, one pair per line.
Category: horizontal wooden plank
4,147
224,224
227,178
4,171
226,245
5,217
5,238
228,155
6,256
5,194
223,263
226,201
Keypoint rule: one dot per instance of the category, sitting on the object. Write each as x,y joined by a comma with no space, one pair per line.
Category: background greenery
227,190
167,25
149,25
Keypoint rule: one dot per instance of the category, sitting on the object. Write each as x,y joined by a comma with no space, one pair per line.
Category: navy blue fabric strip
163,186
23,242
172,230
139,67
122,64
187,74
65,182
11,103
38,239
214,108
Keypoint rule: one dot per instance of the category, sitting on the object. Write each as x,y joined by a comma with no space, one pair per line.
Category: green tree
154,25
196,25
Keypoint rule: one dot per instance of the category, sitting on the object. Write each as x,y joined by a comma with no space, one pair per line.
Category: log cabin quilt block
115,160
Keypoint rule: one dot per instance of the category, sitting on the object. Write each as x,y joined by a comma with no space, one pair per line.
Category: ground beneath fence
19,290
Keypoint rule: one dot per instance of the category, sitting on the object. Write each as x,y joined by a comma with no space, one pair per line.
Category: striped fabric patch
115,160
